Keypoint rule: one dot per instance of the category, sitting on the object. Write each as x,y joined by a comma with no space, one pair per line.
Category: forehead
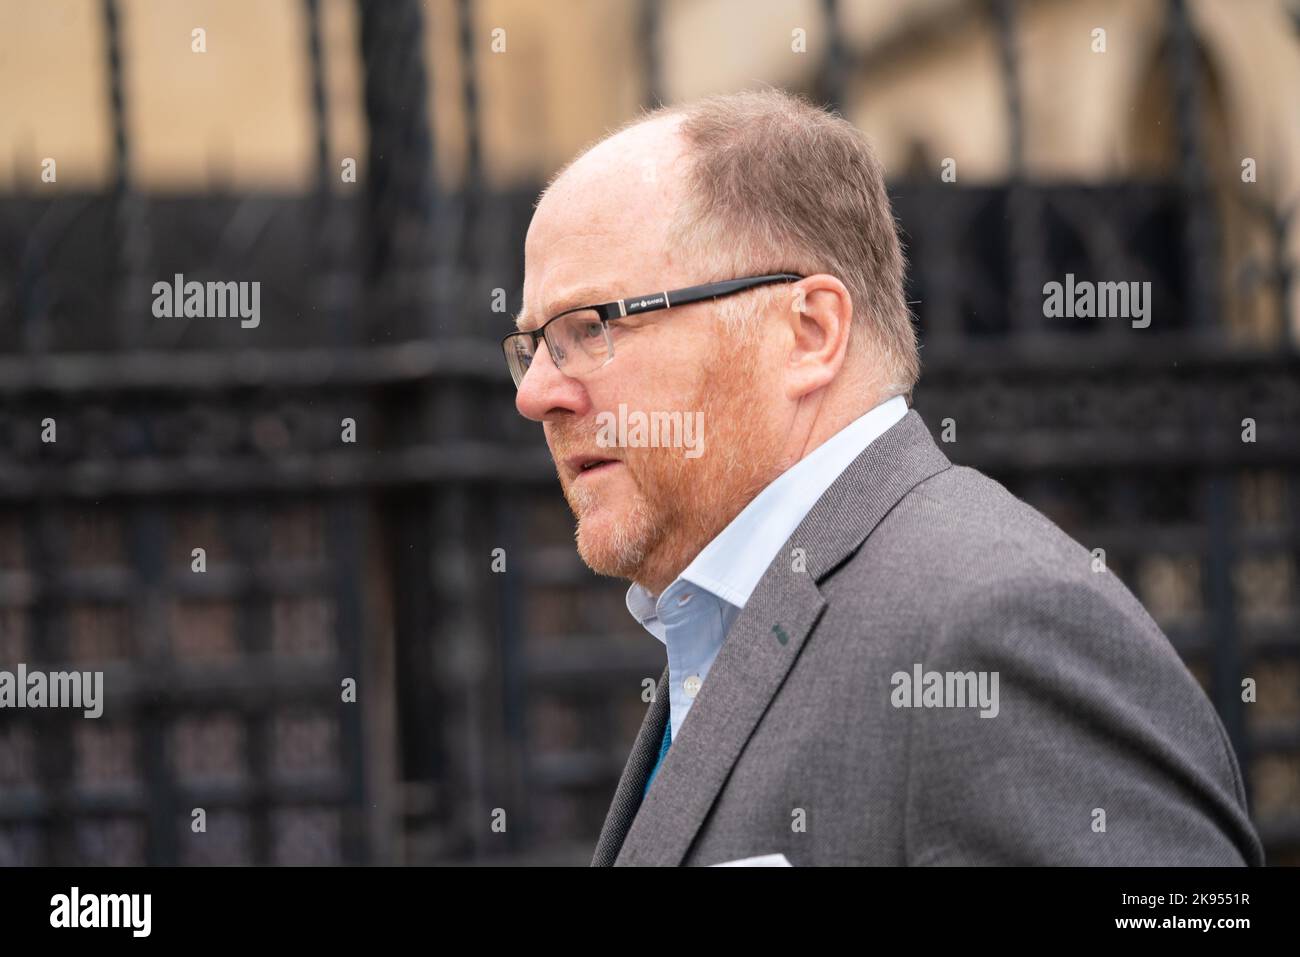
566,298
601,229
584,269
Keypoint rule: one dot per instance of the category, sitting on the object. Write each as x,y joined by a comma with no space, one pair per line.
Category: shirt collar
731,565
644,607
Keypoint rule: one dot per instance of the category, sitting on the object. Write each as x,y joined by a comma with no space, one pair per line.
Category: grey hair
776,184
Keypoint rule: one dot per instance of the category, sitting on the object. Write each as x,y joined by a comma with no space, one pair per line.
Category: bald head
750,183
644,150
607,215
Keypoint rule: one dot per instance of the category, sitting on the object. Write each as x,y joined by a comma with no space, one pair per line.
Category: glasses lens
578,342
519,356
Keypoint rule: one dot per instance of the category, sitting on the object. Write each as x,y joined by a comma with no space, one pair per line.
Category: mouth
581,466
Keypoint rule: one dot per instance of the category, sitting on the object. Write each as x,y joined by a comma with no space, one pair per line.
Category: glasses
579,340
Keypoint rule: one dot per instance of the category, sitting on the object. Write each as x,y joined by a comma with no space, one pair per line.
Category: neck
816,419
823,414
694,530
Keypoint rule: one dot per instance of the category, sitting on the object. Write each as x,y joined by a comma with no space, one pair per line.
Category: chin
601,554
611,544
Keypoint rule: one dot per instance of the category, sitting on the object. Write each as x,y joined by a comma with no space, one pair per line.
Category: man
874,656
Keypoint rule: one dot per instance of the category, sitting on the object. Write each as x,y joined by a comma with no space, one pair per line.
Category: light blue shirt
695,612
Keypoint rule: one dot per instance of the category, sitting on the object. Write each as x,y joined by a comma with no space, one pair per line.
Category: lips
580,465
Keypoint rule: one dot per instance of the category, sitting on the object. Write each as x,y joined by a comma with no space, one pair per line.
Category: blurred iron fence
372,560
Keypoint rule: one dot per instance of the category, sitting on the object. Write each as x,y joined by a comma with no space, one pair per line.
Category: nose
546,392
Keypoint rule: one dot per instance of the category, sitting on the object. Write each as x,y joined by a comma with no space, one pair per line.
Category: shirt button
684,599
692,685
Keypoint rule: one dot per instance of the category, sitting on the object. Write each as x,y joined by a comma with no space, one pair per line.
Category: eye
584,328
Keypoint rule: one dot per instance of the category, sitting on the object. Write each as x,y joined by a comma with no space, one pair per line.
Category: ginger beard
676,505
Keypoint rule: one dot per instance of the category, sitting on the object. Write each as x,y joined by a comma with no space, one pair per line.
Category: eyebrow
581,296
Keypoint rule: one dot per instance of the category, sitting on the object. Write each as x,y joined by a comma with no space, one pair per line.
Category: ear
817,317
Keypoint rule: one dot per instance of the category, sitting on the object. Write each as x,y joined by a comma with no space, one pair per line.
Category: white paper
763,860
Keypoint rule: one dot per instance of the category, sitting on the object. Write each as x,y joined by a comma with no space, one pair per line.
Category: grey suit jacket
1103,750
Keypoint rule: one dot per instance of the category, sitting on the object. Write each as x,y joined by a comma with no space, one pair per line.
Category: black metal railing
371,560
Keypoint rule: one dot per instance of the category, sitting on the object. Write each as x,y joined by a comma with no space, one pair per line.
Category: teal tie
663,749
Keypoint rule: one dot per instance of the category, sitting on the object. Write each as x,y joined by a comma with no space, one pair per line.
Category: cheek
639,473
666,360
666,473
651,474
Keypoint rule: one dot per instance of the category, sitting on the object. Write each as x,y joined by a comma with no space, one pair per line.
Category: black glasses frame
636,305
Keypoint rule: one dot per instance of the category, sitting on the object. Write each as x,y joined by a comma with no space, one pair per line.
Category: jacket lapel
762,644
757,654
627,797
